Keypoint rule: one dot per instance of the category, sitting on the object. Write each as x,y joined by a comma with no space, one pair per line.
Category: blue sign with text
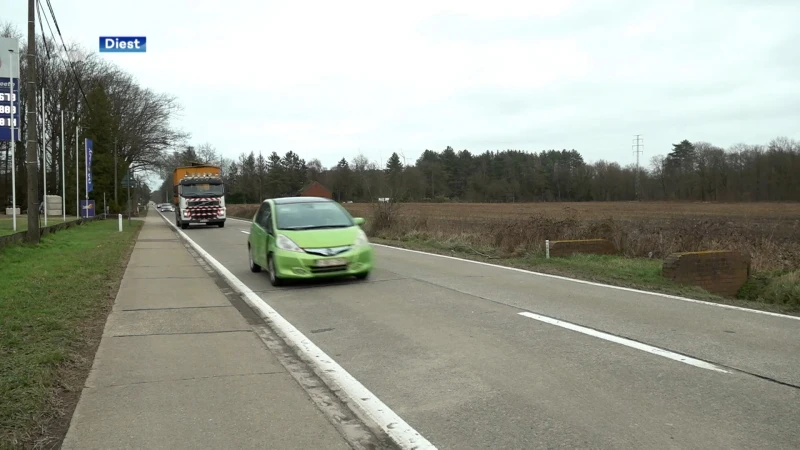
89,153
9,108
123,44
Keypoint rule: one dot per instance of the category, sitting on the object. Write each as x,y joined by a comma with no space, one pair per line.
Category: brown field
594,210
769,232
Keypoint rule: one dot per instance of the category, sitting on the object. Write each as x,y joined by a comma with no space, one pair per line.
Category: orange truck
199,195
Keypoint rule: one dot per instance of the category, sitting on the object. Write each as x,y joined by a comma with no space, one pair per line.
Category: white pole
63,174
44,163
119,216
86,175
77,175
547,248
13,146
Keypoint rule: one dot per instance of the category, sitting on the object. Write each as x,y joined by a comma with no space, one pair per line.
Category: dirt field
594,210
769,232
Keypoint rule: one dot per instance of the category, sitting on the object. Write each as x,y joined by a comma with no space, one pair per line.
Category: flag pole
63,174
13,143
44,163
86,174
77,174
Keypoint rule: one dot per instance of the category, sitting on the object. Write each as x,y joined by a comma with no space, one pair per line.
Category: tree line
130,125
131,128
689,171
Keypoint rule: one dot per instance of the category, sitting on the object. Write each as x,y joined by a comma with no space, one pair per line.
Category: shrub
783,290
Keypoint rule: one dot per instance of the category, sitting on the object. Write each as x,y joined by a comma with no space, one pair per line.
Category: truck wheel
184,225
221,224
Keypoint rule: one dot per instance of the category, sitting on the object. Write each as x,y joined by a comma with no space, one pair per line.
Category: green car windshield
311,216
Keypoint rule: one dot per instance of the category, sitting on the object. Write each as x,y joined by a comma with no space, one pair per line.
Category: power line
638,151
66,52
52,34
41,25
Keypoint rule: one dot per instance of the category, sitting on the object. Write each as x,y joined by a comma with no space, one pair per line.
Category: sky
332,79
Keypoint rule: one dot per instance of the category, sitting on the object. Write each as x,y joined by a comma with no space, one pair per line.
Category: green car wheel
274,279
253,266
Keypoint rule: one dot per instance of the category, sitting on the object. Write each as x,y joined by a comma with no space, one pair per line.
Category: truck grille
203,208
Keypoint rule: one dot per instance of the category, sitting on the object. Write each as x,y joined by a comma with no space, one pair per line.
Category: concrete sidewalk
178,366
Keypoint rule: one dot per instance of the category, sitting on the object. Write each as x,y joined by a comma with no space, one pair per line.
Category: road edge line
364,404
590,283
593,283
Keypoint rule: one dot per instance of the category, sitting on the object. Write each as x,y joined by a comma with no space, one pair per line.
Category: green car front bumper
296,265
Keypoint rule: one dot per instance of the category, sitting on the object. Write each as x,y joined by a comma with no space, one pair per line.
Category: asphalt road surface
444,344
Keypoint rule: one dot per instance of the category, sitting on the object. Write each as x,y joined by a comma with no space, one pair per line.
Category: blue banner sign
89,152
87,208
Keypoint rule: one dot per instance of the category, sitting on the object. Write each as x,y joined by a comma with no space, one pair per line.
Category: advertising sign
9,89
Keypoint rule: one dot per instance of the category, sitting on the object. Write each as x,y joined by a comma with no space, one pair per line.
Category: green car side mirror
358,220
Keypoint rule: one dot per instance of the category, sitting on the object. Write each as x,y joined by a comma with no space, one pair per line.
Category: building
315,189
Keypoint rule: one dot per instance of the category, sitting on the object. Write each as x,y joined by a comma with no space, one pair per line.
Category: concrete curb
363,403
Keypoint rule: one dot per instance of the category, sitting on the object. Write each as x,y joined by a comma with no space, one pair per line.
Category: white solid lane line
364,403
245,232
627,342
592,283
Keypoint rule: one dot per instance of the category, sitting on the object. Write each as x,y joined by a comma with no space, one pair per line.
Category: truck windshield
200,190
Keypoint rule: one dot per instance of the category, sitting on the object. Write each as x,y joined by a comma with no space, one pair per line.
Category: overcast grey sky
326,78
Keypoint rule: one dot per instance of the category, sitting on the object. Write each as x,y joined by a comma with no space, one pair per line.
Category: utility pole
31,157
637,146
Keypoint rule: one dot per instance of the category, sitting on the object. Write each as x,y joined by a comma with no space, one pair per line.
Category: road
443,344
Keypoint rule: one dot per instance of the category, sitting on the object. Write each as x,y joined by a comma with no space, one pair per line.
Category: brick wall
719,272
560,249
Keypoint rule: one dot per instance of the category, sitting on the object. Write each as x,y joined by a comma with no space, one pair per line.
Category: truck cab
200,200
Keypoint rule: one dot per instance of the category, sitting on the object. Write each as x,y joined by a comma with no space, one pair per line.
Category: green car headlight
284,243
361,239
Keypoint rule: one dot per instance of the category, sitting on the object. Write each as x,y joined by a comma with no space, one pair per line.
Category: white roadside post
547,248
120,222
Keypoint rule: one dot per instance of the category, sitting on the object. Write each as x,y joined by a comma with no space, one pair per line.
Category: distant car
166,207
306,238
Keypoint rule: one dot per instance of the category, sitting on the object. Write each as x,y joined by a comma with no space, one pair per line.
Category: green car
305,238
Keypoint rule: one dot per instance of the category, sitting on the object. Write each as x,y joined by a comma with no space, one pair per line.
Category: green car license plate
330,262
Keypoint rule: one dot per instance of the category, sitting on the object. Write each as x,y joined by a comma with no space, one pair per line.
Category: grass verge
56,297
7,223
